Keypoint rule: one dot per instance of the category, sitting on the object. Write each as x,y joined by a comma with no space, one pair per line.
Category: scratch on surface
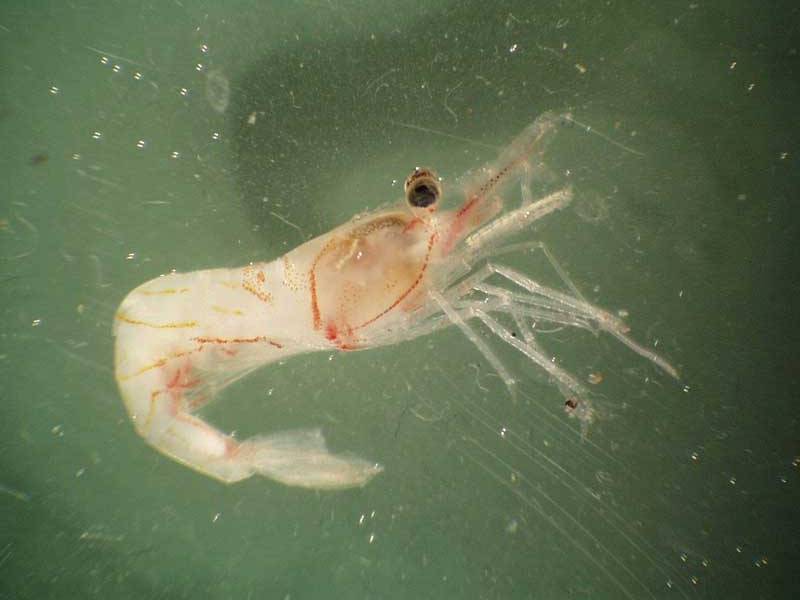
443,134
99,180
93,213
450,111
377,80
78,358
588,129
35,234
114,56
288,222
14,493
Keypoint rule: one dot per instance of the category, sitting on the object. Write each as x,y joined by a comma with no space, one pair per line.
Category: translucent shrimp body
379,279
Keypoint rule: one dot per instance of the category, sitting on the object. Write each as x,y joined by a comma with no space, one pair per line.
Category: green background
684,216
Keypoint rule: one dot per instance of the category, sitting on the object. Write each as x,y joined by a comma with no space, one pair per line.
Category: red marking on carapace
413,223
175,379
254,283
457,226
416,282
312,284
252,340
180,325
331,331
467,206
180,379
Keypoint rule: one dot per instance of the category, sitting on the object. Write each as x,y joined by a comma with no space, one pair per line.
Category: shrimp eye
423,188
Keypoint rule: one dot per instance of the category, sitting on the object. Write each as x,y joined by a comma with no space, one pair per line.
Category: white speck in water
183,92
199,67
137,76
215,136
130,256
103,60
732,66
141,144
361,520
96,135
36,322
371,537
251,119
54,90
80,472
76,156
513,48
732,480
204,48
116,68
512,526
216,517
175,154
218,90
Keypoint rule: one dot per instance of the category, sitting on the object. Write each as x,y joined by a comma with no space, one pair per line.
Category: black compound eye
423,188
422,196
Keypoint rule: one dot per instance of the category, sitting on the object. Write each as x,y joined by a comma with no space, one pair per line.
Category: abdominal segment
180,340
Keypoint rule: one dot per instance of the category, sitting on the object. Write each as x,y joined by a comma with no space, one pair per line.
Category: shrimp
384,277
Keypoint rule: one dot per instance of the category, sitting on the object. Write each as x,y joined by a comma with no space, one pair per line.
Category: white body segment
382,278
